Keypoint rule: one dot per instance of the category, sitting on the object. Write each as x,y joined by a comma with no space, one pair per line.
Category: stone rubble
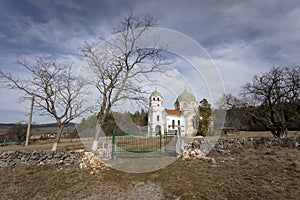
192,151
90,160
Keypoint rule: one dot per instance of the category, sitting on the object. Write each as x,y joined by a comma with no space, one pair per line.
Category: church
181,120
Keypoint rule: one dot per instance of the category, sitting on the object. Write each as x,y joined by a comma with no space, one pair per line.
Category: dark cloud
241,36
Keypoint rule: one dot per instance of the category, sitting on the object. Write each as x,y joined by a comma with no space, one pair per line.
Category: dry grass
266,173
272,173
244,134
46,145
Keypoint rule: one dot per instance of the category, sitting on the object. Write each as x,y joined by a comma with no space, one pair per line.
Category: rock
186,157
208,159
198,151
82,165
192,153
41,163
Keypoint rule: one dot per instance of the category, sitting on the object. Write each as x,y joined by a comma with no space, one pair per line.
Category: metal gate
171,142
125,145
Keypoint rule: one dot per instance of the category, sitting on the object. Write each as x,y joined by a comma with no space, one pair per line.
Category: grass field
264,173
272,173
41,130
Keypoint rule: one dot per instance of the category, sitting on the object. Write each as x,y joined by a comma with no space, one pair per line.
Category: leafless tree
270,99
229,101
56,90
121,63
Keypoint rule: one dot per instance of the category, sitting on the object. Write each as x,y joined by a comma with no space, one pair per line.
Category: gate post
113,145
177,144
160,143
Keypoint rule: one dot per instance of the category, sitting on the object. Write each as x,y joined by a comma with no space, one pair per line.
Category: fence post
176,144
113,145
160,143
166,140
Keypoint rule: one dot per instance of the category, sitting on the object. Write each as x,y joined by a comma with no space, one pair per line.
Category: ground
264,173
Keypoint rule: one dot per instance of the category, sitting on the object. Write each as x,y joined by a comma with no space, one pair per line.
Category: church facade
181,120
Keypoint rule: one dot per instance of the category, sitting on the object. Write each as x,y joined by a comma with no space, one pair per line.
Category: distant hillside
51,125
6,126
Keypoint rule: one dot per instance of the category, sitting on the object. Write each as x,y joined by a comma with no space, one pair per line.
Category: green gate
170,144
10,142
125,145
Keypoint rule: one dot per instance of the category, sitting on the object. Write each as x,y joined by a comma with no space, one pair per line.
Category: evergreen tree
204,117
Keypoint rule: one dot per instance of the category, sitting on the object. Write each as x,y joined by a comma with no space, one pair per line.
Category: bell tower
155,116
156,99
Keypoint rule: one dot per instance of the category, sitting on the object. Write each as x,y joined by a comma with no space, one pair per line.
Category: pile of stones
93,161
193,151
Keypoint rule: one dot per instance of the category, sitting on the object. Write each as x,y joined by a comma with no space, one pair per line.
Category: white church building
181,120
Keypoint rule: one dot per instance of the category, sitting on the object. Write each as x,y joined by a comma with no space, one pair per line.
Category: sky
241,39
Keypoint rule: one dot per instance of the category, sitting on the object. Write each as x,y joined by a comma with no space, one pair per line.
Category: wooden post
113,145
29,122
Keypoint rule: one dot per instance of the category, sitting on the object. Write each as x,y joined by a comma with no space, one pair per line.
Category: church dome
186,96
155,93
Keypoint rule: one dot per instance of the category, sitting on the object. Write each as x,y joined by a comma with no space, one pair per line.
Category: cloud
242,38
11,110
238,62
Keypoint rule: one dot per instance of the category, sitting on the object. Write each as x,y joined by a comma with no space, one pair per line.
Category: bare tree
57,92
121,64
270,99
229,101
235,111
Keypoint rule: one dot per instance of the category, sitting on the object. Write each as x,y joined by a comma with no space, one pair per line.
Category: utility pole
29,122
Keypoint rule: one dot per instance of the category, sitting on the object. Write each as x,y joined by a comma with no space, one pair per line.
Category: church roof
186,96
155,93
173,112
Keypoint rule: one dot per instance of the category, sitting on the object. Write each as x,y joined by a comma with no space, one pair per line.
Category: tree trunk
29,122
279,132
99,132
57,137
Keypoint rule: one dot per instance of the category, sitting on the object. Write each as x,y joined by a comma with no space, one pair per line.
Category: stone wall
258,142
77,157
235,144
39,158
